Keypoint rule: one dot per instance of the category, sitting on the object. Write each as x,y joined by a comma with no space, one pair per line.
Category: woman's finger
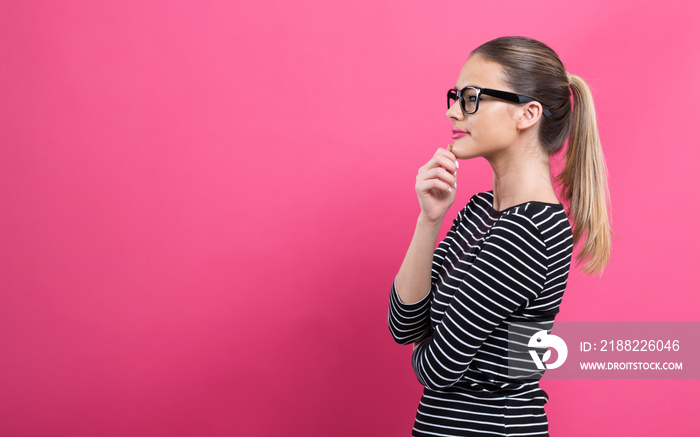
438,173
433,183
444,163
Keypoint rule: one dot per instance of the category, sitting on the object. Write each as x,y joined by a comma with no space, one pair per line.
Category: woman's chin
462,151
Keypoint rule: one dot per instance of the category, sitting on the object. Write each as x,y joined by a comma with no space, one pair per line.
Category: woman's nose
455,111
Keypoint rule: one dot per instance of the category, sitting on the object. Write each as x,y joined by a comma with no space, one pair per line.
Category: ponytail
584,183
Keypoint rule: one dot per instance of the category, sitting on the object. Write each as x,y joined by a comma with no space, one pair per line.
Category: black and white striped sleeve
507,273
408,323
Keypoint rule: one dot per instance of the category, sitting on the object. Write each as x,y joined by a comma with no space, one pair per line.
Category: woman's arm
414,277
436,184
409,311
410,322
409,304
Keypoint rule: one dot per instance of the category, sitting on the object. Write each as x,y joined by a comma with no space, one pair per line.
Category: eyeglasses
469,98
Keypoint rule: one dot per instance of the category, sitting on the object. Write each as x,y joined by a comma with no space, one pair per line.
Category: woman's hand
436,184
416,344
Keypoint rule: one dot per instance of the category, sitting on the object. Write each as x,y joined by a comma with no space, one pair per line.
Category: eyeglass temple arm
512,97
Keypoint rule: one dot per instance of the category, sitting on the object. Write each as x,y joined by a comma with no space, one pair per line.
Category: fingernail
457,164
449,190
455,185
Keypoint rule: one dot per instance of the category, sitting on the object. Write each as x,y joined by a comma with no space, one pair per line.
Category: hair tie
568,77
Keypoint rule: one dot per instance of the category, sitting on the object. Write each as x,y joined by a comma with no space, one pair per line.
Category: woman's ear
530,114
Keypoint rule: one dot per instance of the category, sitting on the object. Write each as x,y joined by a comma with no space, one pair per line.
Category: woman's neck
521,180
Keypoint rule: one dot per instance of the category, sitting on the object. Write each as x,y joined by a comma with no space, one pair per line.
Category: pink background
204,205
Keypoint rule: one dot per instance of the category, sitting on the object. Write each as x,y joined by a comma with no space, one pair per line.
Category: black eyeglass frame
503,95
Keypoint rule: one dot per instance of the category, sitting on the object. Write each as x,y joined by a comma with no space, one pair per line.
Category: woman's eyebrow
455,88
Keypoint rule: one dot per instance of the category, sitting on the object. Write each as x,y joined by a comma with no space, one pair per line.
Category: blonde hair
534,69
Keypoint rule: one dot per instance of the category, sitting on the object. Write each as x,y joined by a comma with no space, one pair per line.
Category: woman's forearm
414,277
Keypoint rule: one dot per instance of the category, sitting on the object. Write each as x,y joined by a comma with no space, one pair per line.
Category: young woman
506,258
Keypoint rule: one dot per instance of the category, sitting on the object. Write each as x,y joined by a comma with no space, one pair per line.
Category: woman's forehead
480,73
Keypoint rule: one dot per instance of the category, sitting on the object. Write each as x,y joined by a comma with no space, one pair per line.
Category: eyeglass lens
469,96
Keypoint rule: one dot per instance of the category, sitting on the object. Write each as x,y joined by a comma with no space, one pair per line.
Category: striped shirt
492,270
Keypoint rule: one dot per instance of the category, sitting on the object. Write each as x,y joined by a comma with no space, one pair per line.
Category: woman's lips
456,133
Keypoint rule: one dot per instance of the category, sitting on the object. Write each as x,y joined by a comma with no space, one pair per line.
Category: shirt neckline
492,209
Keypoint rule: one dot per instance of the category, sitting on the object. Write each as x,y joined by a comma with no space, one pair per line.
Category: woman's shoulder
480,203
548,221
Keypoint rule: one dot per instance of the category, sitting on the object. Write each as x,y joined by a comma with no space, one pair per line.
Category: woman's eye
472,99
